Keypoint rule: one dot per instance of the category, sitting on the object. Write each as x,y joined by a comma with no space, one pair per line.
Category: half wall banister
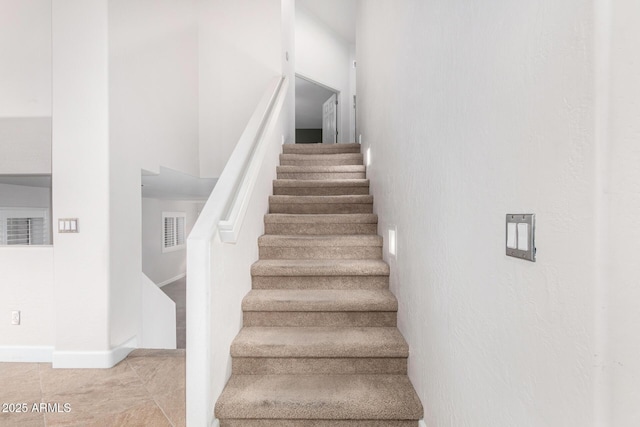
220,250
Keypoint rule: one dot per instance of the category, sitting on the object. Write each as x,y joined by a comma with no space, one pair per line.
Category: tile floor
177,291
145,389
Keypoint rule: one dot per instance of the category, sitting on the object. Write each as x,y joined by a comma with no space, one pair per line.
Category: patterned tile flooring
145,389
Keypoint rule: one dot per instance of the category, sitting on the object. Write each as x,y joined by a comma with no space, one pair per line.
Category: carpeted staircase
319,346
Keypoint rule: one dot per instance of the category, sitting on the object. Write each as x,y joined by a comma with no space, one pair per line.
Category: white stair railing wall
220,250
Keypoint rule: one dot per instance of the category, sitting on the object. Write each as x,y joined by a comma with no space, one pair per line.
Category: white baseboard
421,423
216,423
94,359
28,354
173,279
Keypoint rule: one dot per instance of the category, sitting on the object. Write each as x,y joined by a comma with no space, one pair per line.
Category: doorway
316,112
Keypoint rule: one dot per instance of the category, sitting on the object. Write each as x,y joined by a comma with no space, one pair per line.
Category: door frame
329,88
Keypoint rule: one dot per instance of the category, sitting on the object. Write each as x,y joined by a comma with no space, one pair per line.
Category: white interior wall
22,196
25,145
240,48
25,87
620,194
289,67
25,148
80,182
322,56
472,111
153,112
162,268
25,58
27,286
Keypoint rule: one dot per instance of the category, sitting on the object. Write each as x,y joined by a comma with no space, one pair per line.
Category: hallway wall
620,169
240,52
25,58
471,111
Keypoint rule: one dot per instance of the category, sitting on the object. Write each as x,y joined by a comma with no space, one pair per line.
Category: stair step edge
338,397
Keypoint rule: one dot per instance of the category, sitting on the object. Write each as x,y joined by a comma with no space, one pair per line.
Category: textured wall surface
239,48
27,285
621,171
25,58
472,110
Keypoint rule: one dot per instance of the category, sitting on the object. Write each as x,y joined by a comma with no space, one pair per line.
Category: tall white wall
620,194
162,267
26,273
289,67
27,286
25,58
472,111
323,56
80,180
25,87
153,112
240,51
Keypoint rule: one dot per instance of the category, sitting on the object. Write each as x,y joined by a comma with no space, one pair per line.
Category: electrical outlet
15,317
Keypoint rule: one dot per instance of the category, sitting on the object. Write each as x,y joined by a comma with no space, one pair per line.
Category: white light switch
512,237
68,225
523,236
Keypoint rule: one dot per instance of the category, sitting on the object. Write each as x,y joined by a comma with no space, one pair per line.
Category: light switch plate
67,225
521,236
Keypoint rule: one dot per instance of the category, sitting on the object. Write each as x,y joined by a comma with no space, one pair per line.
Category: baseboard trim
94,359
421,423
27,354
216,423
173,279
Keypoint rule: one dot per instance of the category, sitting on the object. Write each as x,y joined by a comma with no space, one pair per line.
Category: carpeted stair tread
317,423
294,156
352,199
315,342
320,241
319,365
320,183
321,218
321,159
320,169
320,148
319,300
340,397
304,267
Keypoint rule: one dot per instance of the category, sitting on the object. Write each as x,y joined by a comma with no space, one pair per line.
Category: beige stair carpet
319,345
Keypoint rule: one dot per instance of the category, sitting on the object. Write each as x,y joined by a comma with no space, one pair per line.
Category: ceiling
173,185
339,15
309,100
